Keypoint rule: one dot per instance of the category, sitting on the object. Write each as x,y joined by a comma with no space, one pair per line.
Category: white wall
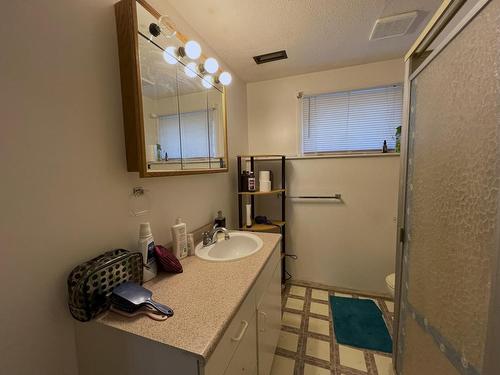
273,104
64,190
349,245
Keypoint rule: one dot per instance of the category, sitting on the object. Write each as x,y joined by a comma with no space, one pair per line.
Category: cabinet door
244,361
269,323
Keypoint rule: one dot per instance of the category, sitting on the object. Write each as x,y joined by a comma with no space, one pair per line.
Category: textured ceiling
317,34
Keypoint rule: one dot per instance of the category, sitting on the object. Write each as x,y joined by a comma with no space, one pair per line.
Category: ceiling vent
392,26
268,57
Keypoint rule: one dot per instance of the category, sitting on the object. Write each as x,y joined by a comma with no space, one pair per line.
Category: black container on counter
244,181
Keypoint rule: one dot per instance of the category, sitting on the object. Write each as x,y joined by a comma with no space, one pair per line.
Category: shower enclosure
447,297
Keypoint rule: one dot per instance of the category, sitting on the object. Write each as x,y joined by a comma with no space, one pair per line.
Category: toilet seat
390,280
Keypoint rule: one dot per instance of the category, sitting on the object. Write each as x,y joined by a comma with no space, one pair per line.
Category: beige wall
273,104
64,191
349,245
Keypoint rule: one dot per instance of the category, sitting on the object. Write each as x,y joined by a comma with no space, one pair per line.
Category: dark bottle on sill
384,147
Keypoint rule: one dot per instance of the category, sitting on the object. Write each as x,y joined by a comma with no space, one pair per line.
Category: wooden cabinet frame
130,75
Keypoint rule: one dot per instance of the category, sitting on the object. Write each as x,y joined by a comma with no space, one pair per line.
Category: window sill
346,155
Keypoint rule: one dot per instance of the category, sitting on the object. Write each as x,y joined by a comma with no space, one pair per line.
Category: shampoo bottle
179,236
147,247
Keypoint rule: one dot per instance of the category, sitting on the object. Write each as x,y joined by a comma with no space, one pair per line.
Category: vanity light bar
192,50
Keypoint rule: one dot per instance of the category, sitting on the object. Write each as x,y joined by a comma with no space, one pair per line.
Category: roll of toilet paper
265,175
249,215
264,186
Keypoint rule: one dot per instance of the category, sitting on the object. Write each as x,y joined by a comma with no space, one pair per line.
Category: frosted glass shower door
450,245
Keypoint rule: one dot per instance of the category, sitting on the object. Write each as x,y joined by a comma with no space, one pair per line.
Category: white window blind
194,134
358,120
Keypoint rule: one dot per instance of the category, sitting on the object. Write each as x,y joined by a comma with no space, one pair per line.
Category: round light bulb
169,55
190,70
207,81
225,78
211,65
193,49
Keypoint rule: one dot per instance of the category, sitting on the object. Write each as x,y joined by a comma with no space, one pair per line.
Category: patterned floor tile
282,366
318,349
294,304
291,320
319,326
351,357
288,341
319,308
297,291
384,365
315,370
307,344
320,294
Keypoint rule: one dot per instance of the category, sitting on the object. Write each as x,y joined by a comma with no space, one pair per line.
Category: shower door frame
416,60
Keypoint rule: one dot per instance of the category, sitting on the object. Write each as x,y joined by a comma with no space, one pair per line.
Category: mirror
184,118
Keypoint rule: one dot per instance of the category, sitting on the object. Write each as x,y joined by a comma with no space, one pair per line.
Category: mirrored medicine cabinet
175,121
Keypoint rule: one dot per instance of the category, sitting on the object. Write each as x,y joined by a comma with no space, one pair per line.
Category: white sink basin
240,245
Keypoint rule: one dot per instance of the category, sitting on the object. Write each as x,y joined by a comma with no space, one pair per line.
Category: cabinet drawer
267,274
234,335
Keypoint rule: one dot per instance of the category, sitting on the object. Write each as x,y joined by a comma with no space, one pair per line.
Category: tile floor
307,345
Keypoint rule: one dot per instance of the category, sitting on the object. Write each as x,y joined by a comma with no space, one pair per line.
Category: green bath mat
359,323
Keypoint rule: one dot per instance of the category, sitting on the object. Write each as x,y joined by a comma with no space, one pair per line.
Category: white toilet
390,281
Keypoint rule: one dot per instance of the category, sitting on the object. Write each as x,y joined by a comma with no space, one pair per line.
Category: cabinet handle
243,330
262,326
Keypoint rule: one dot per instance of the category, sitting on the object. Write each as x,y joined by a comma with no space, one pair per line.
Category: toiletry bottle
146,247
220,221
179,237
251,181
158,152
190,244
384,147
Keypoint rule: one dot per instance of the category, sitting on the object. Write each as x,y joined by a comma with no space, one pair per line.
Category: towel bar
335,196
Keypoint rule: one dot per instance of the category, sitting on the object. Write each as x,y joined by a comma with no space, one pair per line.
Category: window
194,135
358,120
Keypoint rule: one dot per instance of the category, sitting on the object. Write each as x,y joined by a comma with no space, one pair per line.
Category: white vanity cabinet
255,328
246,347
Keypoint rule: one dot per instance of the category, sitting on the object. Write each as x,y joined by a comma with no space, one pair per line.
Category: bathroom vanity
227,321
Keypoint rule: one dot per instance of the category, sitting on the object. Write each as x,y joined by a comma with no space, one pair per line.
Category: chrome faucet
209,238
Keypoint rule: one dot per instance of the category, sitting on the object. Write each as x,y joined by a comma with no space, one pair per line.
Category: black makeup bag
90,284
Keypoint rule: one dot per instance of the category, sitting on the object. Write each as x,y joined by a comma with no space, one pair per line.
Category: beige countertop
205,297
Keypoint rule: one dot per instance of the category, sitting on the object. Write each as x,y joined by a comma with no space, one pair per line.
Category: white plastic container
179,237
249,215
146,247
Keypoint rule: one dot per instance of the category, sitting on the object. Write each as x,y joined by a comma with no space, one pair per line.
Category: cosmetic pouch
90,284
168,262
